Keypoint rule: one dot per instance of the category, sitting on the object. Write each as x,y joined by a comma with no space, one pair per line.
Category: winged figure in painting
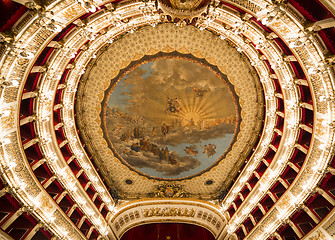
209,149
199,92
191,150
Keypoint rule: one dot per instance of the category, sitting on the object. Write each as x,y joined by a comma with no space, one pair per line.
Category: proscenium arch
138,213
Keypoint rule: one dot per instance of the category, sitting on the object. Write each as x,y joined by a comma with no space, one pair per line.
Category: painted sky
144,91
201,119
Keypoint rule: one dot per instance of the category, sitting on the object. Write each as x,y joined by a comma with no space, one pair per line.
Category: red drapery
164,231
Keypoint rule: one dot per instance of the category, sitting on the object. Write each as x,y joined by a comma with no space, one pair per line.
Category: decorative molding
163,210
169,191
4,236
168,212
318,235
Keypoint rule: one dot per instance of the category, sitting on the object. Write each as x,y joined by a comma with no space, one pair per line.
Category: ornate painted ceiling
239,101
218,114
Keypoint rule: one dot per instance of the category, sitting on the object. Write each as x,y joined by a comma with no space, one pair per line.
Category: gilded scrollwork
318,236
211,219
169,191
250,5
124,219
168,212
321,129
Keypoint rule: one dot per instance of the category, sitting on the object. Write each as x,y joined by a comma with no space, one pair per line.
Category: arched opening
165,231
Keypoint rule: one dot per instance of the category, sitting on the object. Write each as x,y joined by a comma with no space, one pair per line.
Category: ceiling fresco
193,128
170,116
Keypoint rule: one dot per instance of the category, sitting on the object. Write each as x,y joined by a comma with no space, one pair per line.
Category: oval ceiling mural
170,116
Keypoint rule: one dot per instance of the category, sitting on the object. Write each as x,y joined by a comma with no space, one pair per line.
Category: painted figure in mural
209,150
138,132
145,145
174,106
126,136
173,160
192,122
154,149
154,131
199,92
136,147
164,154
191,150
165,129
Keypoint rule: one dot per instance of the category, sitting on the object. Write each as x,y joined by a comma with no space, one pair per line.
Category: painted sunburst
171,117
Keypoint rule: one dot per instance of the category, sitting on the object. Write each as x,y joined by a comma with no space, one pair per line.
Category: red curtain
164,231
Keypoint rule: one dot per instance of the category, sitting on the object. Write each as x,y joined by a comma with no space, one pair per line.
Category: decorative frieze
169,191
168,212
